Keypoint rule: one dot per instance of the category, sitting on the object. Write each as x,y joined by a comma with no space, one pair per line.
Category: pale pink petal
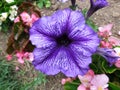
34,17
25,17
17,19
93,88
85,80
115,41
26,55
81,87
117,63
106,28
17,68
20,60
9,57
100,80
19,54
63,81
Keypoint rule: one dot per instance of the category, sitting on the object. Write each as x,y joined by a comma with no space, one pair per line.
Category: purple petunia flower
64,43
108,54
96,5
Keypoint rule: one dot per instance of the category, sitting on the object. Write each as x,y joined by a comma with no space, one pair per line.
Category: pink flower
99,82
106,44
81,87
85,80
29,56
117,63
34,17
17,68
9,57
20,60
114,41
17,19
25,17
105,31
64,80
20,56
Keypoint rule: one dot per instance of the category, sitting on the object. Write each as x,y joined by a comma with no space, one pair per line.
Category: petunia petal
86,40
62,16
58,60
77,21
46,26
82,60
40,54
41,41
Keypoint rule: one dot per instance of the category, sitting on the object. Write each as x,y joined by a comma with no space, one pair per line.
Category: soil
109,14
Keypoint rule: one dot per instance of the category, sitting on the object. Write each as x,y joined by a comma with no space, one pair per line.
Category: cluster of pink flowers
21,57
90,81
26,18
107,40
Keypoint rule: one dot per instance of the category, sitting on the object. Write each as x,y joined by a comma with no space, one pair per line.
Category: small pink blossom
31,57
25,17
106,44
105,31
20,60
81,87
17,19
117,63
99,82
17,68
20,56
118,32
64,80
9,57
85,80
115,41
34,17
90,81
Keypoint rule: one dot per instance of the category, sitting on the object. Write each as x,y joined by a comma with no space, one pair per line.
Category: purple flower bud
96,5
108,54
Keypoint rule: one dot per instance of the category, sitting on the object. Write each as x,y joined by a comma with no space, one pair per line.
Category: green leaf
84,11
92,25
107,68
117,73
72,85
40,4
112,86
94,67
47,4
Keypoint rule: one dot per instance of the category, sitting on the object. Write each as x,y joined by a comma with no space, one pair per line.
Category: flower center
63,40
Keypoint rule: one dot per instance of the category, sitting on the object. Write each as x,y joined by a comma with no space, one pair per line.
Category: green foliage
100,65
8,77
17,80
34,82
72,85
112,86
19,37
42,3
92,25
5,7
89,21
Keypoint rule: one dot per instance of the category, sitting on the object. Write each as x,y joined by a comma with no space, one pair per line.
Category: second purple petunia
64,43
